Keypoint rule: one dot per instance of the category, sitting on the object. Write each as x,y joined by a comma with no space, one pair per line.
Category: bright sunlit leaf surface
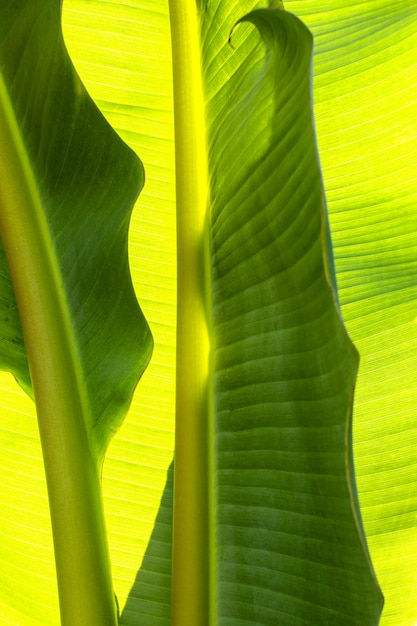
123,53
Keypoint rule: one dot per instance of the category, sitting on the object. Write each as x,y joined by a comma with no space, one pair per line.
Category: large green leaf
78,170
289,545
123,54
269,282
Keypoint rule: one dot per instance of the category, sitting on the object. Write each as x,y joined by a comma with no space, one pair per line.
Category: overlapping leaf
288,544
87,180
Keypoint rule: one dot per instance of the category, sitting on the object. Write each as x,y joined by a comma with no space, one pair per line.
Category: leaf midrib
71,465
191,575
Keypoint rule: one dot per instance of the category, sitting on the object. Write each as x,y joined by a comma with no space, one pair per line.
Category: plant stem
191,567
81,553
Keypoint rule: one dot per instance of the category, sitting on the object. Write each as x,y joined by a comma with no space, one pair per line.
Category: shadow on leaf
148,603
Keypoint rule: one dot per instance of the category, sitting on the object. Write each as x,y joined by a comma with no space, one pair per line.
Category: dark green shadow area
149,600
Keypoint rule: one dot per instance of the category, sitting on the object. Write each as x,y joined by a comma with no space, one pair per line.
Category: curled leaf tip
273,6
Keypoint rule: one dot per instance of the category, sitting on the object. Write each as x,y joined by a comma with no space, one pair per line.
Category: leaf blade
272,297
56,177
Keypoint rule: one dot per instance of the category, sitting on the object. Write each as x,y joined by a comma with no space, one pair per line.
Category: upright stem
81,554
190,574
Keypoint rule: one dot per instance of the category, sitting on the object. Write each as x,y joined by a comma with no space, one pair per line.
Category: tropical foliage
285,531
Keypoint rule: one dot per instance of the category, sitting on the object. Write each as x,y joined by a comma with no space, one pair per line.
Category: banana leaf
123,55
